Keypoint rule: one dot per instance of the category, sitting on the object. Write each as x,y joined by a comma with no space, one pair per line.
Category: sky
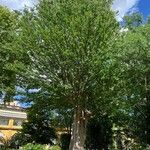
122,6
144,7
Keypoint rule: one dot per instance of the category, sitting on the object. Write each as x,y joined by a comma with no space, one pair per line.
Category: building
11,119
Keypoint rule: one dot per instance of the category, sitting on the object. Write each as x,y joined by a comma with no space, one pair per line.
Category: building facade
11,119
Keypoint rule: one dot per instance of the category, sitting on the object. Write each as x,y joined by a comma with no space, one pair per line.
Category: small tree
38,128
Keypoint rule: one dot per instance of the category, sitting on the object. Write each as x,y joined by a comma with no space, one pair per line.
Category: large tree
70,45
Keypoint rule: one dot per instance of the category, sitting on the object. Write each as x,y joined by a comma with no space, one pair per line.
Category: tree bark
78,130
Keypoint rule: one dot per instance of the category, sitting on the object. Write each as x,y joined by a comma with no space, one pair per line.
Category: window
1,135
17,122
4,121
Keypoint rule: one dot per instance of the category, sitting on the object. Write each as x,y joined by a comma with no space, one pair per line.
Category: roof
12,112
11,107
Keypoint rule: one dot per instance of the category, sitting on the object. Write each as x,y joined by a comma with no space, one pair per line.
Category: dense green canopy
74,52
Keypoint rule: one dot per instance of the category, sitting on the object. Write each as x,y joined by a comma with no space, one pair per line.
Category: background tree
148,20
39,127
133,20
8,23
40,100
135,59
10,59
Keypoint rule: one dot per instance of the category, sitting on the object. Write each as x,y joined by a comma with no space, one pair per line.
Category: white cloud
124,6
33,90
17,4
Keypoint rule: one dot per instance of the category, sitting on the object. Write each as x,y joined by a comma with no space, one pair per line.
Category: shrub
39,147
19,139
33,147
40,132
56,147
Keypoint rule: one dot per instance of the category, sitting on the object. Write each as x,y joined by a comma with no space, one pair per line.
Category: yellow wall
9,130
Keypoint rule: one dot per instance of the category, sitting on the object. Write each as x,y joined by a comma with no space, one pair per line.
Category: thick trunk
78,130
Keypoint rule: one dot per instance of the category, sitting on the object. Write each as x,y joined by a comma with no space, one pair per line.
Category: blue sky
129,6
123,6
144,7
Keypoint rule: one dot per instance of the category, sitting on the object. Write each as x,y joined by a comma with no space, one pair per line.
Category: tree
70,45
38,127
40,101
8,23
148,20
133,20
9,58
135,58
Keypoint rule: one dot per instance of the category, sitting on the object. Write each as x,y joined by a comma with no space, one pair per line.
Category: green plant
6,143
55,147
19,139
33,147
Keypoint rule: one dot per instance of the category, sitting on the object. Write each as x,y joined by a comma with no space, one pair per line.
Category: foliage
5,142
39,147
133,20
19,139
71,50
44,113
33,147
58,116
65,141
67,46
135,61
8,23
148,20
39,127
63,119
55,147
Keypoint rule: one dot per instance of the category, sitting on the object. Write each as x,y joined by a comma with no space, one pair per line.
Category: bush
40,132
33,147
19,139
39,147
65,141
56,147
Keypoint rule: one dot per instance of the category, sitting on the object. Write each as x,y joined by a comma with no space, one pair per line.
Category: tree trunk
78,130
